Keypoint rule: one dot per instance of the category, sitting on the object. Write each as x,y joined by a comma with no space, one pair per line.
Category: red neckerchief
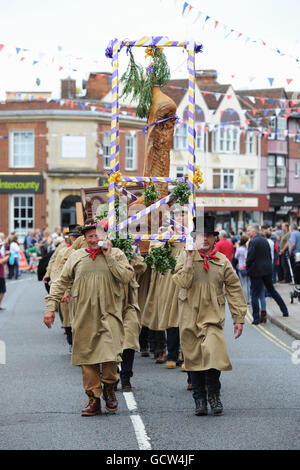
93,253
210,255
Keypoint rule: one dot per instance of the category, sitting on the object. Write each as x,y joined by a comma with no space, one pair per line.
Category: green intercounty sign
21,184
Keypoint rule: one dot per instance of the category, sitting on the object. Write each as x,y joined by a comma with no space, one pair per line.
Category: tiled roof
177,93
261,107
210,97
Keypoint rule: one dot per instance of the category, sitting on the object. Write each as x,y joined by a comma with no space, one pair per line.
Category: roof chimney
68,88
206,77
98,85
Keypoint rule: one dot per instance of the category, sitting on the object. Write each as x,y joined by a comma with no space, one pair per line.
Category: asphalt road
42,396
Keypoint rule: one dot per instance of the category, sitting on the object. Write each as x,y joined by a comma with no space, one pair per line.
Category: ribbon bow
116,177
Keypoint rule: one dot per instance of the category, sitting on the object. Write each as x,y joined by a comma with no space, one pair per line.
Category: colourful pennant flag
185,5
289,80
206,19
271,80
1,47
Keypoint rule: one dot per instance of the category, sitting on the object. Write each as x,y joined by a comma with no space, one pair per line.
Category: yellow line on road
271,337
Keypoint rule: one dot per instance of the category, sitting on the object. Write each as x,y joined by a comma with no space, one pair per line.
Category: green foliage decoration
150,194
181,193
161,259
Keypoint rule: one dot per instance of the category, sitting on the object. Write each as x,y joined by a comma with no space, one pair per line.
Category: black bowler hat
208,226
73,230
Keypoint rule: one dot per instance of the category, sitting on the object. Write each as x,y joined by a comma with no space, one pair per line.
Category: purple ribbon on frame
158,122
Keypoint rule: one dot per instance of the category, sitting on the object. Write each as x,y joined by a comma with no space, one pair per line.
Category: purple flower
109,49
109,52
149,69
198,48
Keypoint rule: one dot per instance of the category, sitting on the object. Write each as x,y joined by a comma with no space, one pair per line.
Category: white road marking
139,428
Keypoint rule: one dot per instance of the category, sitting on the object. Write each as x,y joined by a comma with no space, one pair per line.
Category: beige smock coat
202,310
131,310
76,245
97,301
53,271
161,306
61,246
144,283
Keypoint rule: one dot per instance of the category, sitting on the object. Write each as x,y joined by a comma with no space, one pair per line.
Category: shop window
22,214
223,179
21,149
276,171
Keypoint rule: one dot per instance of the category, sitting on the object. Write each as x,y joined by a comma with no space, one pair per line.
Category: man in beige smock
96,275
201,275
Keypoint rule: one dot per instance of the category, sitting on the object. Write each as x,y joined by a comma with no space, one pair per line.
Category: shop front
23,203
234,211
284,207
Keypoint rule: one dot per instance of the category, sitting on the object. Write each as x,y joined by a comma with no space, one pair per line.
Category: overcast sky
73,34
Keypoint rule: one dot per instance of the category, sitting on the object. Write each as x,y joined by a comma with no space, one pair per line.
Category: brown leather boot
263,316
109,396
161,358
93,407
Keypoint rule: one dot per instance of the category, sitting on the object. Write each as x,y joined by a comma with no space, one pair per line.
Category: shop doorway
68,211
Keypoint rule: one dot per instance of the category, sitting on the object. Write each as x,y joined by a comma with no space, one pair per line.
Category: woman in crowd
241,256
13,263
4,257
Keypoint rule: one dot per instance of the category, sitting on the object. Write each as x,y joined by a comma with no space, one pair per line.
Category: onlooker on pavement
278,230
56,233
4,257
294,243
241,256
234,239
259,268
46,244
13,262
29,242
284,245
225,246
277,271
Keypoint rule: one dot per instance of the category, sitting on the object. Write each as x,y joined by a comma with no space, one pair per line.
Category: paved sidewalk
289,324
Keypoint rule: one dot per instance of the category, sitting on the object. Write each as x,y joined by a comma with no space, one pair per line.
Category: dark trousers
257,284
144,338
68,331
12,268
173,344
157,341
285,267
127,365
205,382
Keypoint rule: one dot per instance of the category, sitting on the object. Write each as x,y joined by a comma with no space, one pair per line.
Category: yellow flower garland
198,177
